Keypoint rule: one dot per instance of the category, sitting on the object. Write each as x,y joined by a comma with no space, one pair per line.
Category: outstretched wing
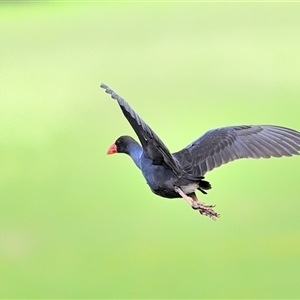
220,146
153,146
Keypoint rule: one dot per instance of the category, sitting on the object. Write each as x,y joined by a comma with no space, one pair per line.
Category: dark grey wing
220,146
153,146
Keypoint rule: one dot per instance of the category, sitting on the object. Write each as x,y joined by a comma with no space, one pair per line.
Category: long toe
206,210
210,213
199,205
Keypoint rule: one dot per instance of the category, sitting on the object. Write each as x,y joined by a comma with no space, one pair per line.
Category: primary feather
222,145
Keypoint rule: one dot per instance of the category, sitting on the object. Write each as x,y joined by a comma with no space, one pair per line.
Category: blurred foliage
76,223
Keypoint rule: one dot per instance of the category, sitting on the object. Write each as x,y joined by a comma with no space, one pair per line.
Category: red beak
112,149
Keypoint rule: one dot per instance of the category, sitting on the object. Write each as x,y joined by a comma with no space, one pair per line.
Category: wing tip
108,90
103,85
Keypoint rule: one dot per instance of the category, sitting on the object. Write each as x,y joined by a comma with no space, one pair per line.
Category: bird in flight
180,174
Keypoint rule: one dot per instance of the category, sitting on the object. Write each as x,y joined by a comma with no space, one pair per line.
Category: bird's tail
204,185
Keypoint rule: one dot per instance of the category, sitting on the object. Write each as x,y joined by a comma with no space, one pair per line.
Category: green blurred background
75,222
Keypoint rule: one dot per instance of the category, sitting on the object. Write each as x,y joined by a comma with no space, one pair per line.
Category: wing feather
153,146
216,147
220,146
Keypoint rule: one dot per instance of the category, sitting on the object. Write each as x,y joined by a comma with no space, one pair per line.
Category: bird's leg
188,199
193,201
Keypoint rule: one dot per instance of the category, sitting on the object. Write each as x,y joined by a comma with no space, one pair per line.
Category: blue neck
135,152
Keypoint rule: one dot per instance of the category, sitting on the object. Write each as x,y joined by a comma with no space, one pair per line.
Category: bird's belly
162,182
167,191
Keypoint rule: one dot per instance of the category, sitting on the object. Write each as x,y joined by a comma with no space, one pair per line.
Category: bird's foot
205,209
